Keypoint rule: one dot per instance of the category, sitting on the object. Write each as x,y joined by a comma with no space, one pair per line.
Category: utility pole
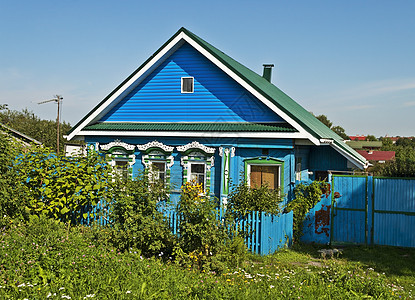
58,99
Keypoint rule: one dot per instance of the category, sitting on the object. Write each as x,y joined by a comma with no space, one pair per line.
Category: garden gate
373,210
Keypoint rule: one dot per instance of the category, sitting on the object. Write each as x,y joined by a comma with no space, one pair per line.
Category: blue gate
373,210
349,215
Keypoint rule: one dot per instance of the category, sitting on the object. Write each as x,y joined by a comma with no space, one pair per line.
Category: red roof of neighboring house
357,137
377,155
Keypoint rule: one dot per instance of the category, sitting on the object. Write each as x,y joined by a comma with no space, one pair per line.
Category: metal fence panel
394,212
349,213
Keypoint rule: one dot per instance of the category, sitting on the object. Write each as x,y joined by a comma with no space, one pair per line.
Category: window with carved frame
197,161
157,159
122,158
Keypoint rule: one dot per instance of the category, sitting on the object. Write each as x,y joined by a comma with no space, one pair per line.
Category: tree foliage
337,129
35,181
371,138
404,163
323,119
12,203
28,123
243,200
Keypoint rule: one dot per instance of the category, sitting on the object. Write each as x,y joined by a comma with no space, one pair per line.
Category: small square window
187,84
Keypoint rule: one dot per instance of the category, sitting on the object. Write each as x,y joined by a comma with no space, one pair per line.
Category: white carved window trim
117,154
194,153
157,152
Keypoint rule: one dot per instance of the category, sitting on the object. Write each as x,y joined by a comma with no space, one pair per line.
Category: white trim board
271,135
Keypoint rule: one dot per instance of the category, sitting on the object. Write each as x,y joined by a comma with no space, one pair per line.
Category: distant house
24,139
191,112
357,137
377,156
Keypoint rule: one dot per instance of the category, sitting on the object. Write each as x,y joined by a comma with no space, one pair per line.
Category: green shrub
306,196
58,186
204,240
12,200
243,200
137,220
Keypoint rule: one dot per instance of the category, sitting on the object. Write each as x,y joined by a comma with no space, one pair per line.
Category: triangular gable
216,97
307,126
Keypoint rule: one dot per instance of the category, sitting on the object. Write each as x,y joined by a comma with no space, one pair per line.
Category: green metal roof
307,120
211,127
364,144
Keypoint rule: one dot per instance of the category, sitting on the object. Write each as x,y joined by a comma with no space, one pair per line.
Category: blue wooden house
191,112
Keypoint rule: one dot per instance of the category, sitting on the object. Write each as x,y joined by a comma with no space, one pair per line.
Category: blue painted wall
326,158
216,97
245,149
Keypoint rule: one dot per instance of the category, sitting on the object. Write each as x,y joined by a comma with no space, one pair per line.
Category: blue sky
351,60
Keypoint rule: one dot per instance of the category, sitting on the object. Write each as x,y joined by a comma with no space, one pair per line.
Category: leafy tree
371,138
243,200
340,131
403,165
12,201
337,129
137,219
405,142
323,119
387,144
28,123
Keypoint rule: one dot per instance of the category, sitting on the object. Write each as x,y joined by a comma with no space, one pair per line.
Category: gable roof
377,155
306,125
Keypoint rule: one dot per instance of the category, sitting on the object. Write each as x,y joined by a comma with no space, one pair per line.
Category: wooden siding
216,97
325,158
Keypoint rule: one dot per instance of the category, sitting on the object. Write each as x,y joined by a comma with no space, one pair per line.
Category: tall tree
28,123
337,129
371,138
323,119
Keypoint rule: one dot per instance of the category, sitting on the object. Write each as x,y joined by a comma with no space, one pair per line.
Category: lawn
48,260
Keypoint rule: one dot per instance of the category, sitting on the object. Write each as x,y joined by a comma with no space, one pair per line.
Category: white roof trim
272,135
156,60
350,158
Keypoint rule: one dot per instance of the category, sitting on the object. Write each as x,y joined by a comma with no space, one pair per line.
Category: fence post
331,180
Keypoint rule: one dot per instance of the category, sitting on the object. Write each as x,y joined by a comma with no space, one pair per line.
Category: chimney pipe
267,71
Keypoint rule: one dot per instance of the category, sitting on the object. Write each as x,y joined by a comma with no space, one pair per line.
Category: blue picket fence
364,210
268,233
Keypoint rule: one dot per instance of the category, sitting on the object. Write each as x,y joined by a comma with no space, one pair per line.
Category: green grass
46,259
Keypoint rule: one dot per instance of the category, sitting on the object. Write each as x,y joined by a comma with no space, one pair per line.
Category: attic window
187,84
